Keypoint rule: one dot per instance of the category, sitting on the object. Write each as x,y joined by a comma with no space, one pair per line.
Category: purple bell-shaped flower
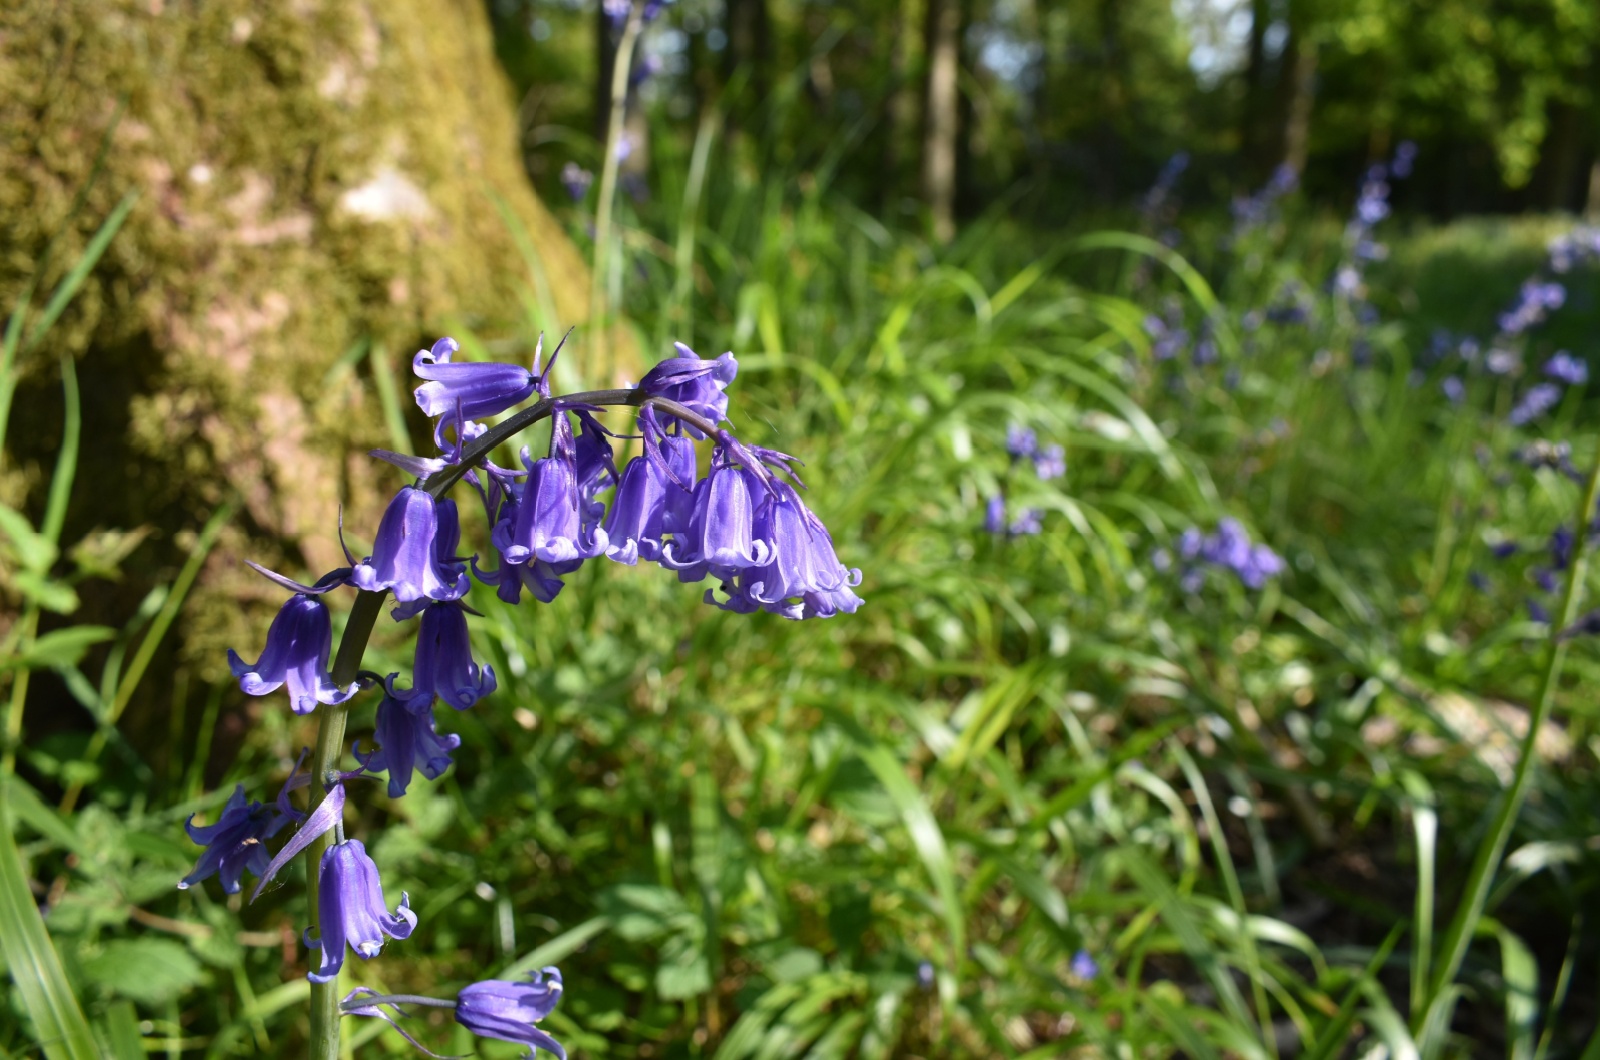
509,1011
721,537
693,381
478,390
351,909
407,741
407,558
236,842
802,560
633,528
443,663
298,646
551,514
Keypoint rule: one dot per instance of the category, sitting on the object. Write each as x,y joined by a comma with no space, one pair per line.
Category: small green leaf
33,550
46,592
152,971
60,647
100,553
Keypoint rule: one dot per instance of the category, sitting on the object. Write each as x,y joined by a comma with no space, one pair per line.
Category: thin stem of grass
1464,925
599,312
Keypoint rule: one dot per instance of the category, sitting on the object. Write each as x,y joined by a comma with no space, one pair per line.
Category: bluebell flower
694,382
405,556
1565,368
1534,302
1537,611
1167,338
298,645
643,71
576,180
1501,361
925,976
1560,546
1454,389
1478,581
1579,246
552,522
443,664
234,843
721,537
1021,442
1503,549
994,515
1539,399
351,909
476,389
1084,965
407,741
1587,625
634,526
1050,463
1028,521
510,1011
1405,156
802,559
1230,548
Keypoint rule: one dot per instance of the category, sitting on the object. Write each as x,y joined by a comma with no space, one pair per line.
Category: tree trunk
750,44
940,125
1252,125
900,133
310,176
1298,92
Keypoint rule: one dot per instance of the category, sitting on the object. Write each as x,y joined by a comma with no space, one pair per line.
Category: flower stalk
1480,879
741,525
599,311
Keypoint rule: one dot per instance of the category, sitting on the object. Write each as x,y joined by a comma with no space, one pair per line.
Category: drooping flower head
1050,463
477,389
236,842
298,645
351,909
694,382
405,557
1022,443
510,1011
407,741
443,664
1565,368
1540,398
552,522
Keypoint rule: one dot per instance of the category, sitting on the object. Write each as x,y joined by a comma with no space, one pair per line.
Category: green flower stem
1464,925
324,1044
599,312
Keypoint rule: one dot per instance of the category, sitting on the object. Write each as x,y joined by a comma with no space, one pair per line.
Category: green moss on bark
311,174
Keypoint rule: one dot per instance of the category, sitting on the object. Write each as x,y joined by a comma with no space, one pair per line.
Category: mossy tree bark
312,175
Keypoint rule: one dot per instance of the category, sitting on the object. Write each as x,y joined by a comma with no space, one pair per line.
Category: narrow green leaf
31,957
60,647
563,945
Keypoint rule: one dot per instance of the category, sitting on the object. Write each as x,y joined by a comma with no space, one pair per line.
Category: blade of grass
63,1033
1464,924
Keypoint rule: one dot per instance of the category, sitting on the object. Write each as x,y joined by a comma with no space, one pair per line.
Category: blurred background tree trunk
315,180
941,115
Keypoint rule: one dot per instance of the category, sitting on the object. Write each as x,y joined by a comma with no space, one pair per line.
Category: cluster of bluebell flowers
742,524
1048,462
1227,548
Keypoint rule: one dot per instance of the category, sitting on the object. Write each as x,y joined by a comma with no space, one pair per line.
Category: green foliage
891,834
